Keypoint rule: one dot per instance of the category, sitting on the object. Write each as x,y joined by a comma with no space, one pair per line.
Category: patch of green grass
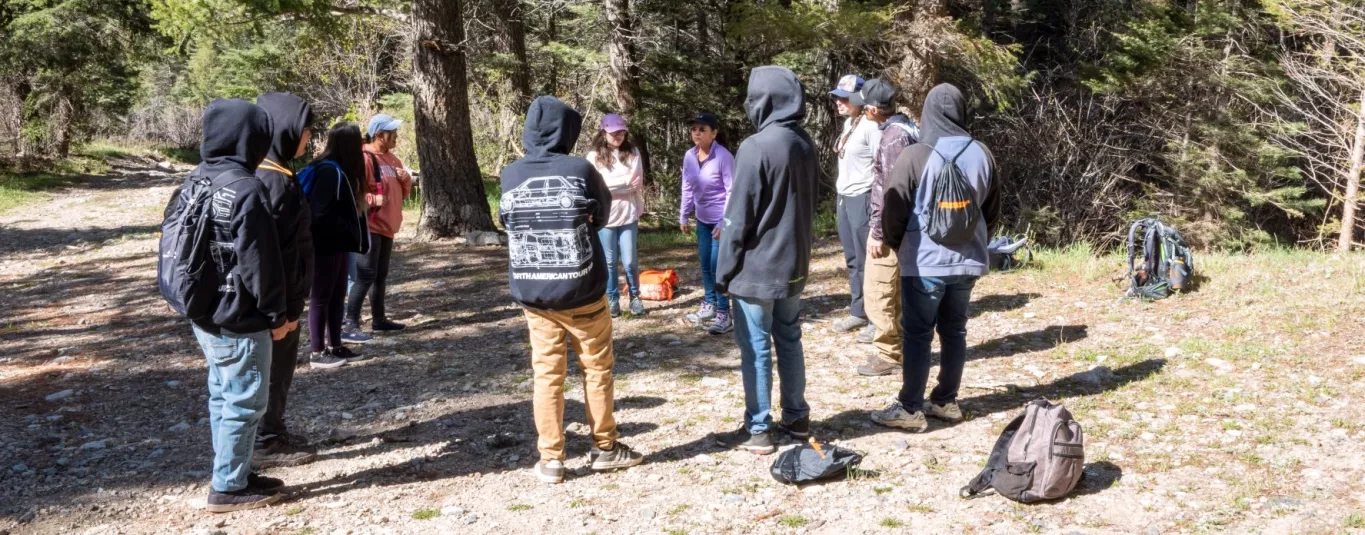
577,503
293,511
679,509
19,189
425,514
518,507
891,523
882,490
792,521
106,151
919,508
856,474
677,531
690,378
1355,521
684,470
611,486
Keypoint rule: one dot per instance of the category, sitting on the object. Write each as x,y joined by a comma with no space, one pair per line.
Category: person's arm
990,209
637,173
886,161
259,264
404,179
688,198
599,196
740,212
898,205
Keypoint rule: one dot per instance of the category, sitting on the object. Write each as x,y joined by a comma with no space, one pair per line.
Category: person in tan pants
589,329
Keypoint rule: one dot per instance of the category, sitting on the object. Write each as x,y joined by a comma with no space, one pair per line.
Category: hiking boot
619,456
742,439
350,332
721,324
799,429
324,360
950,412
251,497
280,452
849,324
637,307
867,335
264,483
702,315
876,366
614,307
345,353
550,471
386,325
894,415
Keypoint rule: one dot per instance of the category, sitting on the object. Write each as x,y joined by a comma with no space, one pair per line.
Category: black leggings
372,271
328,301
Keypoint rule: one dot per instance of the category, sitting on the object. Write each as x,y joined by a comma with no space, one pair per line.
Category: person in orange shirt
392,184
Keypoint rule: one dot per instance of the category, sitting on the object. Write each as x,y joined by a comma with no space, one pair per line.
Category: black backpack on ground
1008,252
953,210
183,269
814,461
1167,265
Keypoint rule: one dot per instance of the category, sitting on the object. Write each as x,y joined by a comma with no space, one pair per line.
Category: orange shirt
395,186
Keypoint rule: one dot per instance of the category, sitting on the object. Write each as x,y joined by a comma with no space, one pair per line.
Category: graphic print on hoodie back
552,205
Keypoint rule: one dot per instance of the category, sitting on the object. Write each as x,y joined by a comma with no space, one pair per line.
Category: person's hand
876,247
715,233
685,228
378,201
278,333
293,325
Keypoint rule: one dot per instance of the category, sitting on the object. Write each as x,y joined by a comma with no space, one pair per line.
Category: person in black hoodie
250,309
765,249
289,119
336,194
552,205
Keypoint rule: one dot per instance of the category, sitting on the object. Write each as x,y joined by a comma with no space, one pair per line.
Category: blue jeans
761,324
618,243
239,372
928,303
708,251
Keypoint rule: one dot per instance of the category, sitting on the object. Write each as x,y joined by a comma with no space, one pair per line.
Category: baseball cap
613,123
847,85
382,123
876,92
706,119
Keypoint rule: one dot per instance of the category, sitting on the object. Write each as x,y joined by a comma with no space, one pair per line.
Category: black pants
327,303
372,271
284,356
854,215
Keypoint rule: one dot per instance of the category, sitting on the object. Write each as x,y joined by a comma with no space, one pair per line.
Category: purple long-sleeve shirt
706,185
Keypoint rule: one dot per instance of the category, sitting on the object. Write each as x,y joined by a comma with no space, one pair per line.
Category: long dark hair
344,148
602,147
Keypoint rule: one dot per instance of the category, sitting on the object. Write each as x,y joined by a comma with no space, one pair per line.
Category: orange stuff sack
658,285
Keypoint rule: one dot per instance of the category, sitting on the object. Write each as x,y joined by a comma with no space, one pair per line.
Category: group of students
288,237
567,217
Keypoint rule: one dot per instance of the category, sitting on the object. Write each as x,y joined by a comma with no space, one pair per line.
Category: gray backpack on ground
1039,456
953,210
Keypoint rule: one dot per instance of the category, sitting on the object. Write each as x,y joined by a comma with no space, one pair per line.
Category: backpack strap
996,462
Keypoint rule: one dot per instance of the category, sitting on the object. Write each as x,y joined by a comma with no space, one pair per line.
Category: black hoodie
289,116
245,247
765,244
552,205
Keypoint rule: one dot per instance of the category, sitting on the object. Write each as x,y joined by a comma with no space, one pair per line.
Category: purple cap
847,86
613,123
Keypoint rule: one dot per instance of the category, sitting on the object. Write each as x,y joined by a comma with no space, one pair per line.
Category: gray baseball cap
876,92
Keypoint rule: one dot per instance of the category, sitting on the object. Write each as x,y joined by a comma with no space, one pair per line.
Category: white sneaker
950,412
550,471
894,415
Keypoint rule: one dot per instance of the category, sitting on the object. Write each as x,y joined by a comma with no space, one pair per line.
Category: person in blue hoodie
936,279
765,249
552,206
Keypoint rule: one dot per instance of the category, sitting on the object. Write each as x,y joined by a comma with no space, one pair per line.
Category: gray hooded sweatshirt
910,191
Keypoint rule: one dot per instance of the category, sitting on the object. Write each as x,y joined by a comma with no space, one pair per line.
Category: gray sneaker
950,412
742,439
619,456
894,415
722,323
867,335
325,361
702,315
614,307
550,471
849,324
637,307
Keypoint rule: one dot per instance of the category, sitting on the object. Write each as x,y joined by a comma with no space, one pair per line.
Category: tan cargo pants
882,301
589,328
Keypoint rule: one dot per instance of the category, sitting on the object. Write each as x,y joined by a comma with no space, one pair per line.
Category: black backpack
1167,265
953,210
183,270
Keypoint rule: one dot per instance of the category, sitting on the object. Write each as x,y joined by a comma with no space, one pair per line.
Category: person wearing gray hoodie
936,279
765,249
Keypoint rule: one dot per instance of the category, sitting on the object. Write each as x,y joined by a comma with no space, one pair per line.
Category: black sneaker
742,439
250,497
620,456
325,360
386,325
345,353
614,308
278,453
797,429
262,482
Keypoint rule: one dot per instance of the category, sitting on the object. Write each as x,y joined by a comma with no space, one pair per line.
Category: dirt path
1236,408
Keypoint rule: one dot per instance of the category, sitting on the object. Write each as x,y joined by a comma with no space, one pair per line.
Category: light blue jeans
708,251
239,372
618,243
761,324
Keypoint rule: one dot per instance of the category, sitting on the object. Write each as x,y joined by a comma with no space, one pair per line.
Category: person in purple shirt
707,173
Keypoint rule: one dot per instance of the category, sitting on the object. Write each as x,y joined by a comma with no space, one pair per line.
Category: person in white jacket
617,159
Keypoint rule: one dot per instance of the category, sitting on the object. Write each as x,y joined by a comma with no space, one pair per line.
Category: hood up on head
775,96
551,127
289,116
945,113
236,136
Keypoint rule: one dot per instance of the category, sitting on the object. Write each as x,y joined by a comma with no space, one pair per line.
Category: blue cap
382,123
847,86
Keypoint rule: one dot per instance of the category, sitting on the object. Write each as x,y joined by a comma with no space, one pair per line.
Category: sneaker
876,366
351,333
849,324
742,439
262,482
278,452
550,471
702,315
619,456
325,361
797,429
637,307
250,497
950,412
721,324
894,415
867,335
386,325
614,307
345,353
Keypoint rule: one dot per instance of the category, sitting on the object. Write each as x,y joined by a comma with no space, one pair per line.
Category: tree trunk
453,199
917,72
510,13
1348,208
620,50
